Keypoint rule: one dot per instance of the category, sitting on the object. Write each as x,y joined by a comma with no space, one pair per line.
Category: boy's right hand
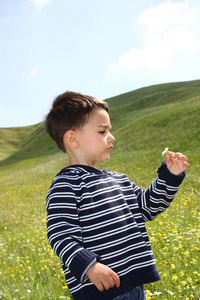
103,277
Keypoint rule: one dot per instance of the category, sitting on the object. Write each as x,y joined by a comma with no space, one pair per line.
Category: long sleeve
158,197
63,231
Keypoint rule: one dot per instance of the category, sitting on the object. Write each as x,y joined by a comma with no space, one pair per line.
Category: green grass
132,105
35,143
11,139
143,125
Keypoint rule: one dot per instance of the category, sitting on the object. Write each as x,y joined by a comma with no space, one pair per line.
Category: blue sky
101,48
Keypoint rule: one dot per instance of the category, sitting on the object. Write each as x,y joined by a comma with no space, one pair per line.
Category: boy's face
95,139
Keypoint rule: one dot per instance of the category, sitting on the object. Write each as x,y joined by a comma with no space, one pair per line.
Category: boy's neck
77,158
79,162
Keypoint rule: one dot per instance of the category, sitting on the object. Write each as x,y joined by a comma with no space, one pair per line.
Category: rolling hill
10,139
160,115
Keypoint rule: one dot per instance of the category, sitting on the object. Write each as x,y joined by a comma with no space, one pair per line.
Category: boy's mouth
109,148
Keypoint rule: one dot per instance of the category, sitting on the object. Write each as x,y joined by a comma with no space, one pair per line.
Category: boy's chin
106,157
101,158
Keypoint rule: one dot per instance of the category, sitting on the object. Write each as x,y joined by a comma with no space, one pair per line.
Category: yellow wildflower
65,287
189,280
174,278
182,273
173,266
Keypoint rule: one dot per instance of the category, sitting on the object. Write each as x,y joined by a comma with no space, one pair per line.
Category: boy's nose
111,138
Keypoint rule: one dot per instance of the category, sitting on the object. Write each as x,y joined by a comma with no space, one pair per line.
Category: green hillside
148,117
10,139
135,104
34,143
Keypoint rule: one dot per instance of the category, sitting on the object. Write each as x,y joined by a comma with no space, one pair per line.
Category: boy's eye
102,131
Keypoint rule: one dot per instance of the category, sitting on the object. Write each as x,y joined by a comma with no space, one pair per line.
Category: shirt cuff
84,277
81,262
170,178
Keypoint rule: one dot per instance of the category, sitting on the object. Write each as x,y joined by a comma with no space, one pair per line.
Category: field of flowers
30,270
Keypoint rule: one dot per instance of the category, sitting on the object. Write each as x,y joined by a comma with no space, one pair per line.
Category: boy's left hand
176,162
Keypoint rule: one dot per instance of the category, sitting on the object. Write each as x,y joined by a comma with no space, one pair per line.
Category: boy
95,221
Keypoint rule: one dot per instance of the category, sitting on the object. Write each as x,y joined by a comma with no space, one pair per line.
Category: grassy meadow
144,122
11,139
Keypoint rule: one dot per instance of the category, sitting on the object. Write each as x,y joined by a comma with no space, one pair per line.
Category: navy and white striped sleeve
158,197
63,231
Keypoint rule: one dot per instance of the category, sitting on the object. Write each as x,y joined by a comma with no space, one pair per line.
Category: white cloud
41,3
166,35
34,72
166,14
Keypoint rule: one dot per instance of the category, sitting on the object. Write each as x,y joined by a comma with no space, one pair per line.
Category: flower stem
172,158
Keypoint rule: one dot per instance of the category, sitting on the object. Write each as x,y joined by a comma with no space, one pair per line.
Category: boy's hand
176,162
103,277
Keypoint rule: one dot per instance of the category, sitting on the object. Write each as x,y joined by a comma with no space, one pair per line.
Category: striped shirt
95,215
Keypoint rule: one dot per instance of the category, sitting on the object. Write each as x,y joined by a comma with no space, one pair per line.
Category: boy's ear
70,139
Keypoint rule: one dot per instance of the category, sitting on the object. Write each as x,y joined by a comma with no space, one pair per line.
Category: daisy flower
165,152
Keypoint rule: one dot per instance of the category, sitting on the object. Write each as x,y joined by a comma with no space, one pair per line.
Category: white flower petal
171,293
165,151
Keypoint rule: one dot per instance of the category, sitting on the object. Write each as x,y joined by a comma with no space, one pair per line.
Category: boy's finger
186,165
169,157
112,282
100,286
106,285
178,155
116,279
169,152
181,156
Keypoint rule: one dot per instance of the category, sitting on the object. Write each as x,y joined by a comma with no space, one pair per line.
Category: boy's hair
70,110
